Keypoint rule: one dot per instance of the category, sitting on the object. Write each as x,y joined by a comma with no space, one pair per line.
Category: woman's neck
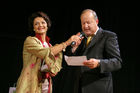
42,37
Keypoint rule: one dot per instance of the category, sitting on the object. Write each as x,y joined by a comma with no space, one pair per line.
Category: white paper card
75,60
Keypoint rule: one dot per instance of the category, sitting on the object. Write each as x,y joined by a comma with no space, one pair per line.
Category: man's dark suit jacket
104,46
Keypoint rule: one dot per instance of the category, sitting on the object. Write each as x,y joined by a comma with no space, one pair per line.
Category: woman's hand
53,75
74,38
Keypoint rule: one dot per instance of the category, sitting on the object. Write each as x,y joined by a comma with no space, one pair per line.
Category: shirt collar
96,31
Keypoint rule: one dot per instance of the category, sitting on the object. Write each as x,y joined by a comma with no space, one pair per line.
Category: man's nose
86,25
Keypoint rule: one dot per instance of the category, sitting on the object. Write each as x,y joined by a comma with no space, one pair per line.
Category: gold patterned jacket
33,54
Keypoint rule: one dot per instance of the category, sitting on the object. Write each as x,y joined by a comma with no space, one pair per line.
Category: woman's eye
43,22
36,23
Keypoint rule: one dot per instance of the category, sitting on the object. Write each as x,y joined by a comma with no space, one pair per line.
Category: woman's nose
40,24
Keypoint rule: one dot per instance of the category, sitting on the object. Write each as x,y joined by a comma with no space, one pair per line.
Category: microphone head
82,34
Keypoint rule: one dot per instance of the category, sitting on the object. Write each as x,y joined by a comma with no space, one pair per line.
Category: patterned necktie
88,40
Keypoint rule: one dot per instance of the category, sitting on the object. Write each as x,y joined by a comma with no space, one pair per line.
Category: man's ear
97,21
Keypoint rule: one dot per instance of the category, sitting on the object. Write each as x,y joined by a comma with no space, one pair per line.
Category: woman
36,50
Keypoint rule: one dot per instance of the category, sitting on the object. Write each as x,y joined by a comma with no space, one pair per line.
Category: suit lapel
95,38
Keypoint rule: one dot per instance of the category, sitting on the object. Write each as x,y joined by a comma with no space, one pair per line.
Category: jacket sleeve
112,59
53,62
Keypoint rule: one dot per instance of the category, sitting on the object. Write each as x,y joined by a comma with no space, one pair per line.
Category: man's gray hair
90,10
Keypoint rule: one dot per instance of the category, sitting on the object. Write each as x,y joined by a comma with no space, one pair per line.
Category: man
103,54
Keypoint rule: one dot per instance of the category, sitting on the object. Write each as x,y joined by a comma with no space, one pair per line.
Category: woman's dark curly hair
38,14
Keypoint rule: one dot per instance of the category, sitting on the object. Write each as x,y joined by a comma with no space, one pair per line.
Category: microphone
81,34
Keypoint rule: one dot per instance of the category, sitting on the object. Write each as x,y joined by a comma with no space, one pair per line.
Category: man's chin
87,34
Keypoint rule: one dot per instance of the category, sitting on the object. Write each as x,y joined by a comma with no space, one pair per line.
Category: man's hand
92,63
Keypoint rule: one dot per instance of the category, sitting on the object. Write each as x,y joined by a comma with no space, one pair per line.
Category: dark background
113,15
